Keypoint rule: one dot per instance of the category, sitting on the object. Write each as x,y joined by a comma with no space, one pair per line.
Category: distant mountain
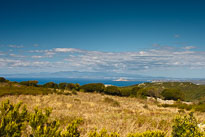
78,74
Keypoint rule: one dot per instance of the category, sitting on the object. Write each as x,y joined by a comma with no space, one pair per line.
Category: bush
102,133
50,85
142,93
152,92
77,87
172,94
186,126
148,134
2,79
70,86
74,92
125,92
72,129
134,91
111,101
14,123
12,119
112,90
98,87
41,126
62,85
30,83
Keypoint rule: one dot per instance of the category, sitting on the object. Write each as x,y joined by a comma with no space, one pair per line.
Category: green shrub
14,122
111,101
74,92
2,79
152,92
70,86
112,90
98,87
50,85
125,92
186,126
30,83
172,94
62,85
12,119
102,133
77,87
134,91
41,126
148,134
199,107
142,93
72,129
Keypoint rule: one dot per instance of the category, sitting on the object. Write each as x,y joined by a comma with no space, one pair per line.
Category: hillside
120,114
191,91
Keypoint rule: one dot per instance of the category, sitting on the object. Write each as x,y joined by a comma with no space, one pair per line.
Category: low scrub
103,133
113,90
149,134
186,126
12,89
111,101
93,87
172,94
17,121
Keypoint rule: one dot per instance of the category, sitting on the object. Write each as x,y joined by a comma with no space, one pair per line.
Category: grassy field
123,114
120,114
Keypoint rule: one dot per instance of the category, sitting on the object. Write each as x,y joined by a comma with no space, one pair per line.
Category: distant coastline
122,79
81,81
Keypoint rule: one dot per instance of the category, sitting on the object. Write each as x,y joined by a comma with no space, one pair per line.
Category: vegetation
149,134
93,87
111,101
14,123
172,94
33,88
186,126
30,83
192,92
50,85
2,79
102,133
16,89
112,90
17,121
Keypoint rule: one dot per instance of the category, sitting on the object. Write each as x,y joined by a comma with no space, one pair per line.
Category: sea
79,81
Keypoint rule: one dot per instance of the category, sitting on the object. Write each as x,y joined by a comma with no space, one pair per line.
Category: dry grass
100,111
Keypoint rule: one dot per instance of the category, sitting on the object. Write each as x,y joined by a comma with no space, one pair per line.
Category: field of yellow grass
118,114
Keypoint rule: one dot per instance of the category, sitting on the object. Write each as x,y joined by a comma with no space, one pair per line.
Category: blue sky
151,37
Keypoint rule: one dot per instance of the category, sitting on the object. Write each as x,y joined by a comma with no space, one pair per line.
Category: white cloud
126,62
16,56
36,57
15,46
189,47
67,50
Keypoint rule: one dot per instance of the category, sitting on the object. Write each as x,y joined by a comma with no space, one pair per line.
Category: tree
172,94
